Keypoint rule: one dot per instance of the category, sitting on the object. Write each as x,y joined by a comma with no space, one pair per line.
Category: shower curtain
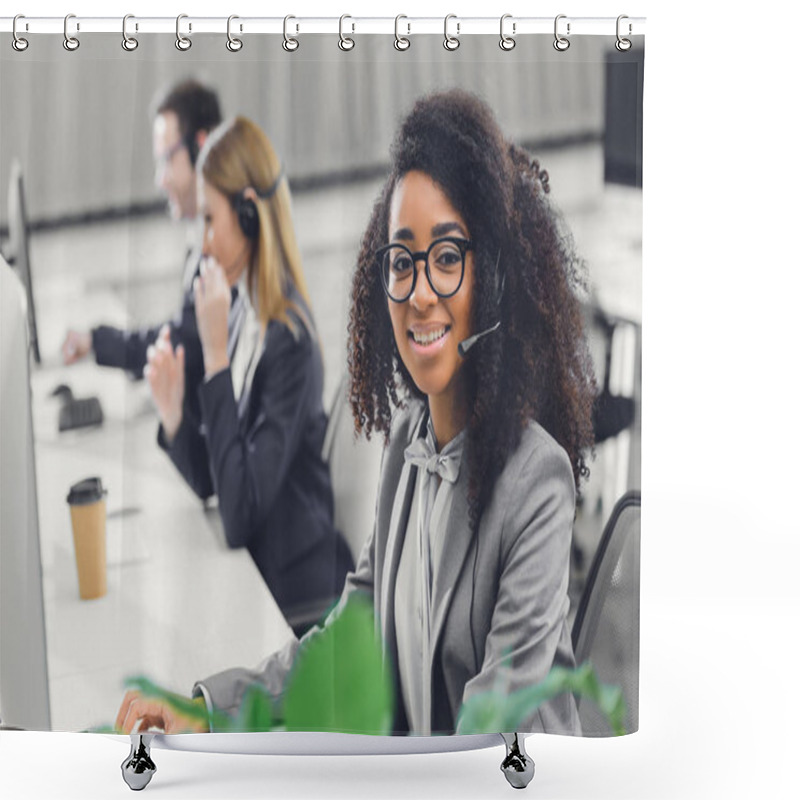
195,598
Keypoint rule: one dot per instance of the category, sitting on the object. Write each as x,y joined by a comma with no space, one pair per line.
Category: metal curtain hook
507,42
182,42
346,43
18,43
129,43
233,44
561,43
290,44
623,44
401,42
70,42
451,42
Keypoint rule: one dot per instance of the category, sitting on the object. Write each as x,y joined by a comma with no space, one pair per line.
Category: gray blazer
500,591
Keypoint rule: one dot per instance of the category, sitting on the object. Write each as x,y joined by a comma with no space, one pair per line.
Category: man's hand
77,345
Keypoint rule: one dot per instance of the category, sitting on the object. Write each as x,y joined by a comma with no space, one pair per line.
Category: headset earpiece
247,213
246,210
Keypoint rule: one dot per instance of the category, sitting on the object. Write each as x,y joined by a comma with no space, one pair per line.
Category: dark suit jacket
500,593
262,458
127,349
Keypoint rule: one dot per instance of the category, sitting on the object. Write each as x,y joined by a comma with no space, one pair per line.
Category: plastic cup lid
89,490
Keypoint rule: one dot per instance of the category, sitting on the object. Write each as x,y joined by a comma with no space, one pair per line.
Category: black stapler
83,412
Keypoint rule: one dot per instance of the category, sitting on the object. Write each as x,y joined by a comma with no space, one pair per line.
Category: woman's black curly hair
536,365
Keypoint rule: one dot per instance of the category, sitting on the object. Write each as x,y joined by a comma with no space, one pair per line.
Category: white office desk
180,604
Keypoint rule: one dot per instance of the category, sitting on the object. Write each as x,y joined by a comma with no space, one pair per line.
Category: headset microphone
464,347
467,344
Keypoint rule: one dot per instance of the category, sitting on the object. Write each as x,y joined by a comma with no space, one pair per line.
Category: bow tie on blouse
420,453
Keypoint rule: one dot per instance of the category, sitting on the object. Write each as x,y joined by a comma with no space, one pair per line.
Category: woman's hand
165,374
212,303
143,713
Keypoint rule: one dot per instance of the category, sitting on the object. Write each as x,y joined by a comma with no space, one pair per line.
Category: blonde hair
238,155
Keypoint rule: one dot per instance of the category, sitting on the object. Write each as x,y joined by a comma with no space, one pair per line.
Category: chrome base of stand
517,766
138,768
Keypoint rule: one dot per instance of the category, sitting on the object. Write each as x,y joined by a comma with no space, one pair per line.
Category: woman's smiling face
428,328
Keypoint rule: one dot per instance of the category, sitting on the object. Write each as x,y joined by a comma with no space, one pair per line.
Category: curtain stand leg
138,768
517,766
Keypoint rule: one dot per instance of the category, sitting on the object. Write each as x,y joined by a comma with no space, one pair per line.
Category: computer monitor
17,250
24,694
622,143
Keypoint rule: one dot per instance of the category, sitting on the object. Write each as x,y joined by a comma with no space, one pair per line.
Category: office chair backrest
355,469
606,628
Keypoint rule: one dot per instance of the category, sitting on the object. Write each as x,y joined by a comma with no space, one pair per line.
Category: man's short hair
197,109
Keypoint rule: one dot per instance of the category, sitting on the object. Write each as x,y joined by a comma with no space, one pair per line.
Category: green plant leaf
485,712
338,682
255,712
496,711
101,729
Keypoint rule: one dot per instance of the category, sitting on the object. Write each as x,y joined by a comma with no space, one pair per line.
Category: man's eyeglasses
444,267
165,158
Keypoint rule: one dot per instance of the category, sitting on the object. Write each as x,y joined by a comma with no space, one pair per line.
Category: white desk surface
180,604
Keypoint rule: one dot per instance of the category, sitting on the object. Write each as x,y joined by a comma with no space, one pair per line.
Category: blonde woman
258,439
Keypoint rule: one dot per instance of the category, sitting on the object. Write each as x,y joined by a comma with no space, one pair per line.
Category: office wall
84,141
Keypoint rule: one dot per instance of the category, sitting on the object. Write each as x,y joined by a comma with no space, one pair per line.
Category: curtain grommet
401,43
183,43
129,43
346,43
70,43
19,43
507,42
561,43
234,44
451,43
290,43
623,44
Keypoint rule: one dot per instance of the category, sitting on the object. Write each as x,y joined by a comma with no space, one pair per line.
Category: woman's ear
249,193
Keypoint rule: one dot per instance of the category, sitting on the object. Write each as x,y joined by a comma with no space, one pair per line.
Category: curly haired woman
467,353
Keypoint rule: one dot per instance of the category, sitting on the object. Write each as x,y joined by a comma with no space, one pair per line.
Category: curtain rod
349,25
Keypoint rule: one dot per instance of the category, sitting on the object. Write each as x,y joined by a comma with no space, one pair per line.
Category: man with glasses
184,117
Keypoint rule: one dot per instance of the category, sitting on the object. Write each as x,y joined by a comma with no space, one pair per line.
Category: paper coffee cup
87,507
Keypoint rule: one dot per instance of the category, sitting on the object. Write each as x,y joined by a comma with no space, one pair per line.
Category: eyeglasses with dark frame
398,266
163,160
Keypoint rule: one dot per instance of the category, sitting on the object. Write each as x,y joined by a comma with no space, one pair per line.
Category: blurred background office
103,250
